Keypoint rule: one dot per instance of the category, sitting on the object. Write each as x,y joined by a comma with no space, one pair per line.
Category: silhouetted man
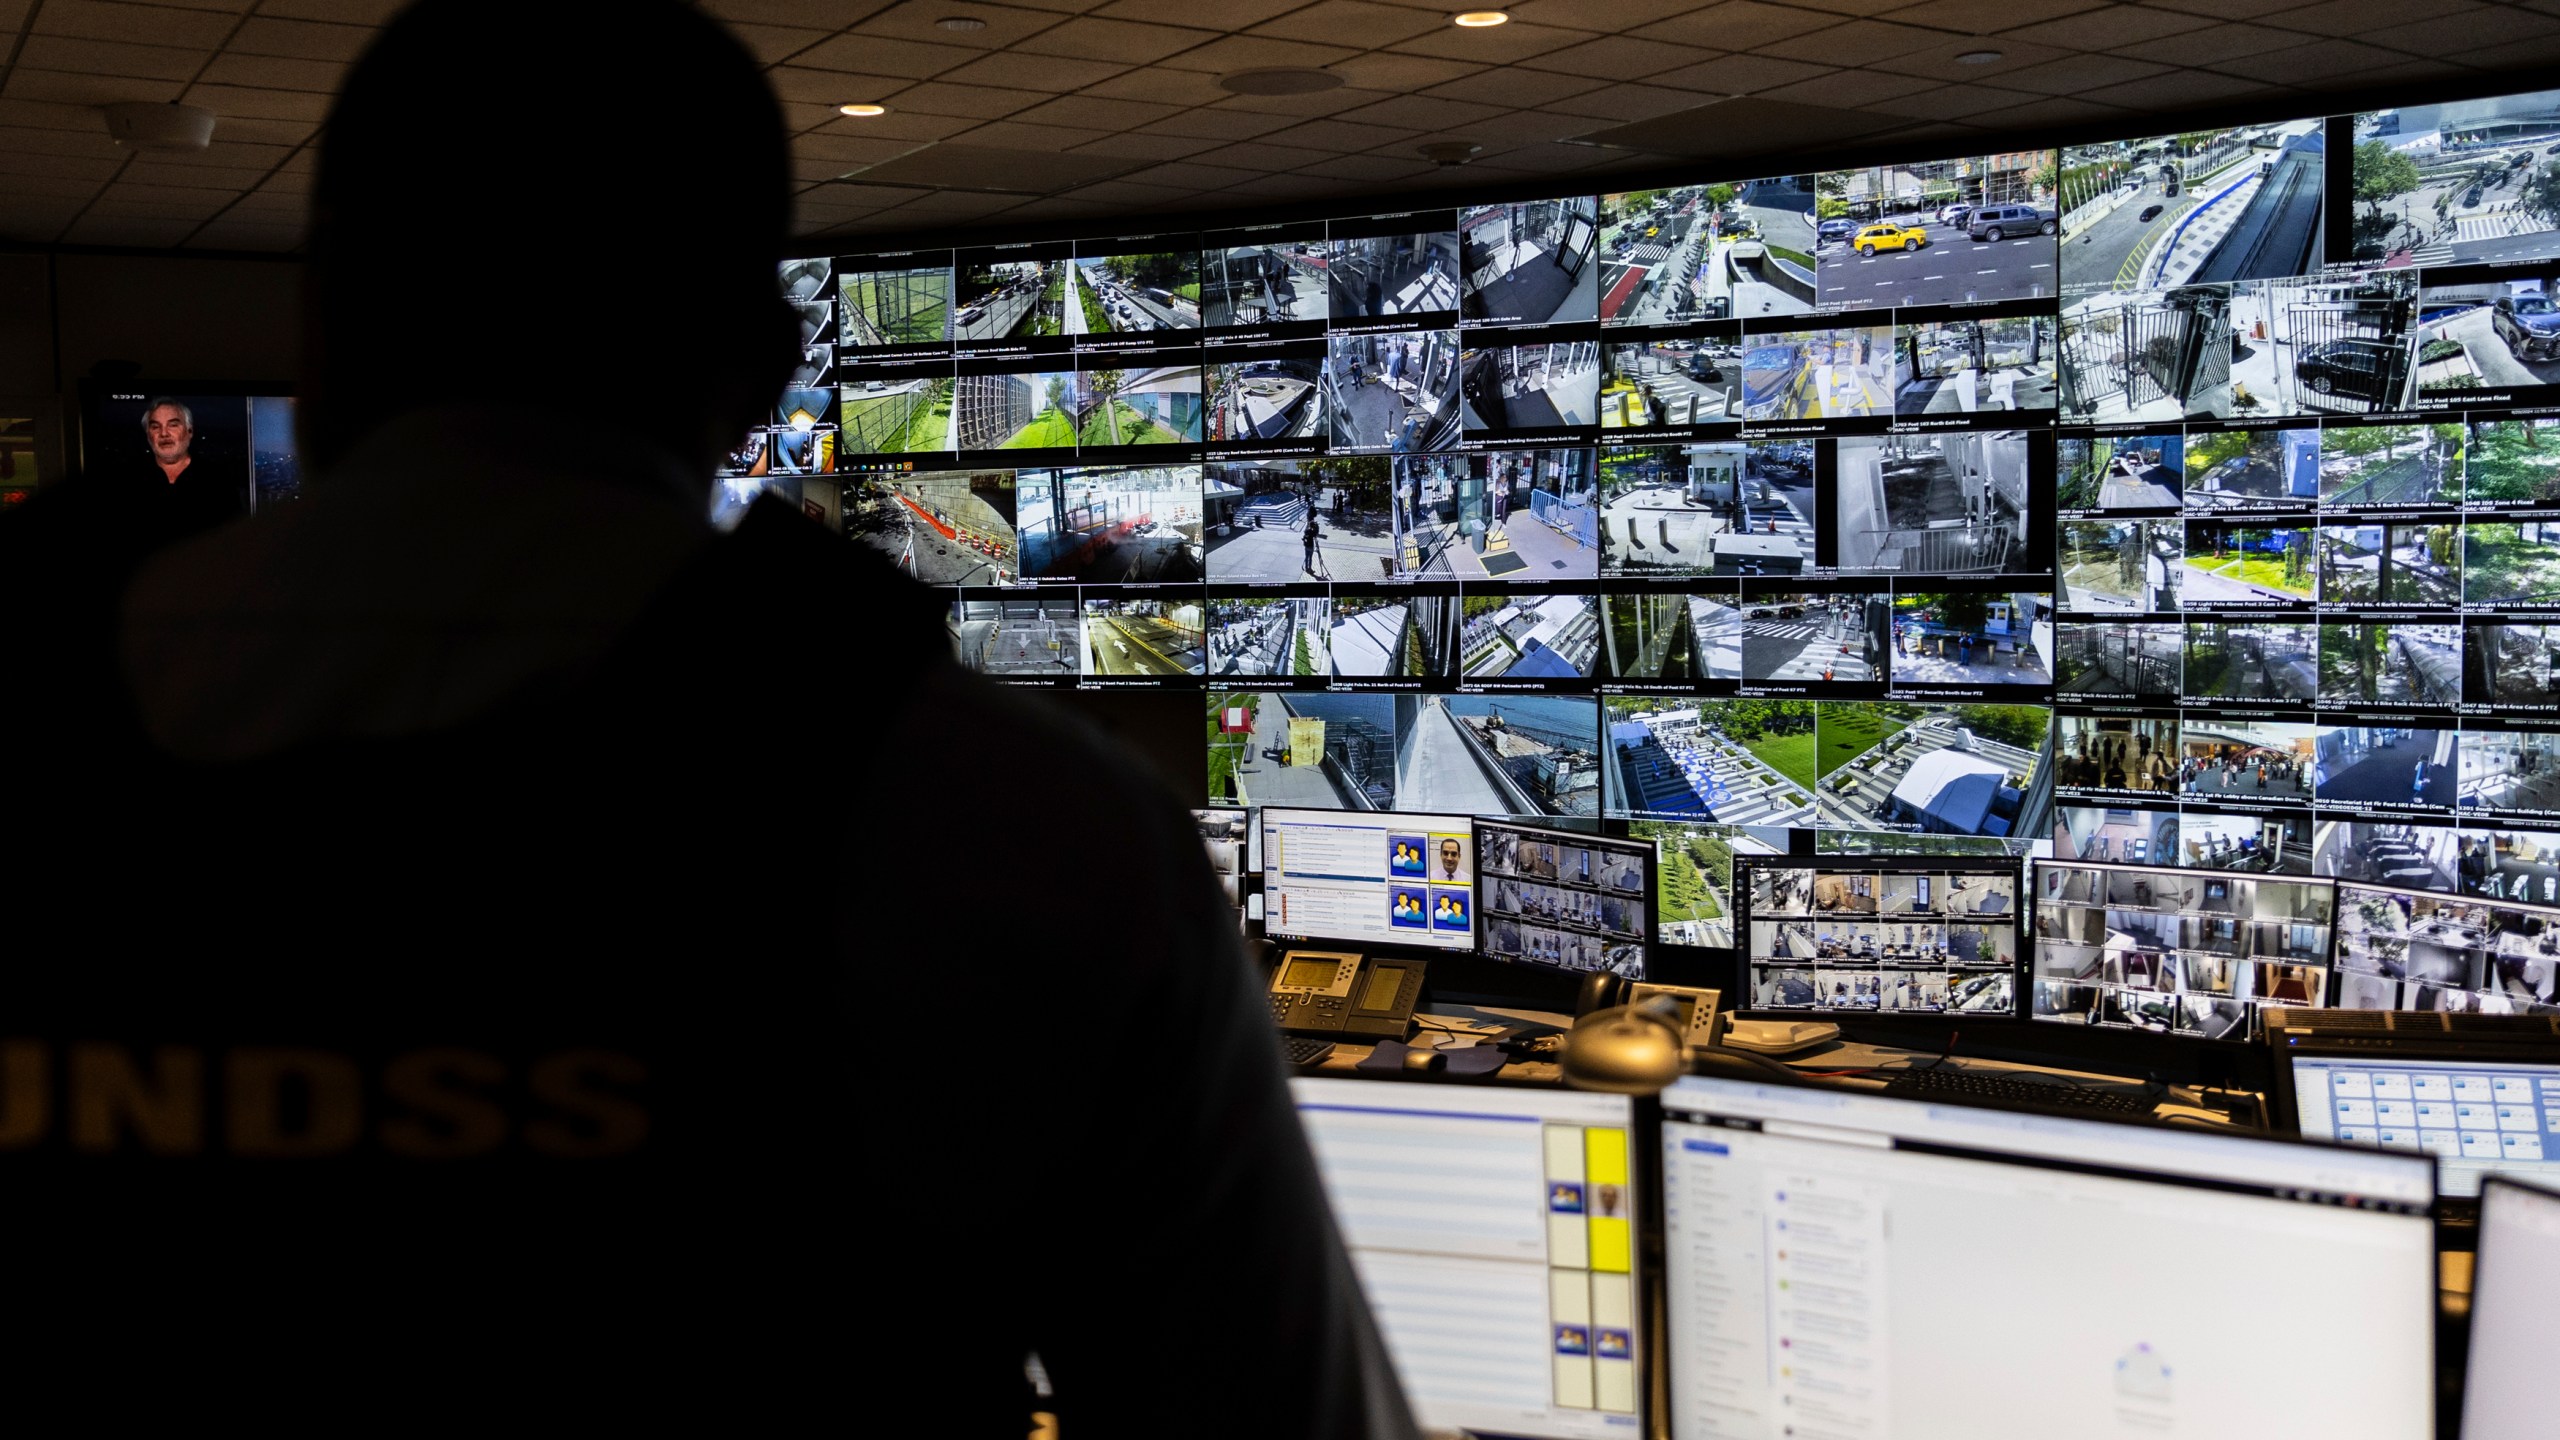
422,1002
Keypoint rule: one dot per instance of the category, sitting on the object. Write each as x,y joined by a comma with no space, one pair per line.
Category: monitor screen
1890,937
1564,900
1494,1232
1851,1264
2418,950
1368,878
2515,1308
2192,953
2475,1117
235,453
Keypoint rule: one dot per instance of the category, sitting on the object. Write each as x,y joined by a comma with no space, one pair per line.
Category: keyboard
1301,1051
1947,1082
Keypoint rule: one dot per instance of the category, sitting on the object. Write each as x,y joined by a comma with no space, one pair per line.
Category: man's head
457,248
1449,855
170,429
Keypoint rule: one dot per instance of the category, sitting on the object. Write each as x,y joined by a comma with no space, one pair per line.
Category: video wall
2187,500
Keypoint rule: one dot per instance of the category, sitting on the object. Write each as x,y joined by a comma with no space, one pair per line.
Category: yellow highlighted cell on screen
1611,1248
1605,1156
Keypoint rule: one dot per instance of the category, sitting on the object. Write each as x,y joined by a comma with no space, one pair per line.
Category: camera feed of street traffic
2205,207
1667,636
1690,380
1265,400
1734,762
1110,526
1948,503
1947,232
1142,639
1712,509
1531,262
1658,254
1966,367
1133,294
2128,472
953,528
2390,465
2498,331
896,307
1274,284
2459,183
1010,299
2122,566
1289,637
1834,374
1452,754
1540,386
1393,392
1929,769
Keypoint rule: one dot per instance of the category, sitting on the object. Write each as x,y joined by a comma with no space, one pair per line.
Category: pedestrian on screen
1311,537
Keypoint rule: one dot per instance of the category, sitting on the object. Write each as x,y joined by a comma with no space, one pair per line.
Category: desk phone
1699,1016
1334,992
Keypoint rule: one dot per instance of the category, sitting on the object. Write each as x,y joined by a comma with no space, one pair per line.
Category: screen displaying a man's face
171,434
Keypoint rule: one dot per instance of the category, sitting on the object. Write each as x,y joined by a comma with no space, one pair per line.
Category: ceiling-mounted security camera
141,125
1449,154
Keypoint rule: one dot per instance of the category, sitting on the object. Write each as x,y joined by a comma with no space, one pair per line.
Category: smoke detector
1449,154
141,125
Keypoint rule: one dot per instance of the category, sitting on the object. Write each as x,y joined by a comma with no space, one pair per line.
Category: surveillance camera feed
2164,506
1902,936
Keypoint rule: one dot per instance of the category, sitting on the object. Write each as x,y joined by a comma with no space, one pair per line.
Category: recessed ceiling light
1977,57
1478,19
865,111
1283,80
961,22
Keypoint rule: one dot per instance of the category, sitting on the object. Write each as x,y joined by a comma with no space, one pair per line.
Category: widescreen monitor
1876,936
1369,879
1495,1234
2482,1102
1856,1265
233,448
2515,1310
1563,900
2195,954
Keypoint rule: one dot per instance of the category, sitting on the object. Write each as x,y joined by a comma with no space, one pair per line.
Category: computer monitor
1564,900
2189,953
1854,1264
1369,878
2515,1310
1494,1231
2424,950
2481,1104
1908,935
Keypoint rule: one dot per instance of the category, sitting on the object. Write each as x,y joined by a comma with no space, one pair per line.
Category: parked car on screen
2365,370
1999,222
2530,324
1835,230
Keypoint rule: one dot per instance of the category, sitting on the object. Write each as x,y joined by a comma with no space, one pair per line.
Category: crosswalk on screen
2173,500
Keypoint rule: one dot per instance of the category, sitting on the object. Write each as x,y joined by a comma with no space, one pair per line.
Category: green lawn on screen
1050,429
1850,734
1789,755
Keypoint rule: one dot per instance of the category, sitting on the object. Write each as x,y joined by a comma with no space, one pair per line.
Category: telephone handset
1332,992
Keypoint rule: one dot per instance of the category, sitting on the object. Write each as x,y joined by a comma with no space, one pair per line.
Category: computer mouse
1424,1059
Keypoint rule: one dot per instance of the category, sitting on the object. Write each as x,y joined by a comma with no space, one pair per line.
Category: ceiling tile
135,231
1739,25
64,88
1620,57
1055,74
1303,107
2515,52
264,131
2495,25
2053,110
825,87
47,115
227,179
1124,42
1236,13
1231,53
165,199
1555,160
2176,88
227,233
1261,158
1740,75
1851,7
51,187
880,55
808,170
949,204
300,39
67,167
2079,74
1130,193
1860,42
92,143
2221,43
2354,17
1352,22
851,150
1193,174
259,103
1501,45
2107,29
813,14
121,24
1614,17
1148,147
1282,187
272,72
917,20
1538,127
1014,135
975,101
1628,102
1422,112
1370,167
2225,9
1951,102
1868,85
101,57
1984,17
1405,74
1217,124
1166,87
1514,86
1095,113
774,43
896,125
1342,137
1940,60
345,12
271,202
2316,61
